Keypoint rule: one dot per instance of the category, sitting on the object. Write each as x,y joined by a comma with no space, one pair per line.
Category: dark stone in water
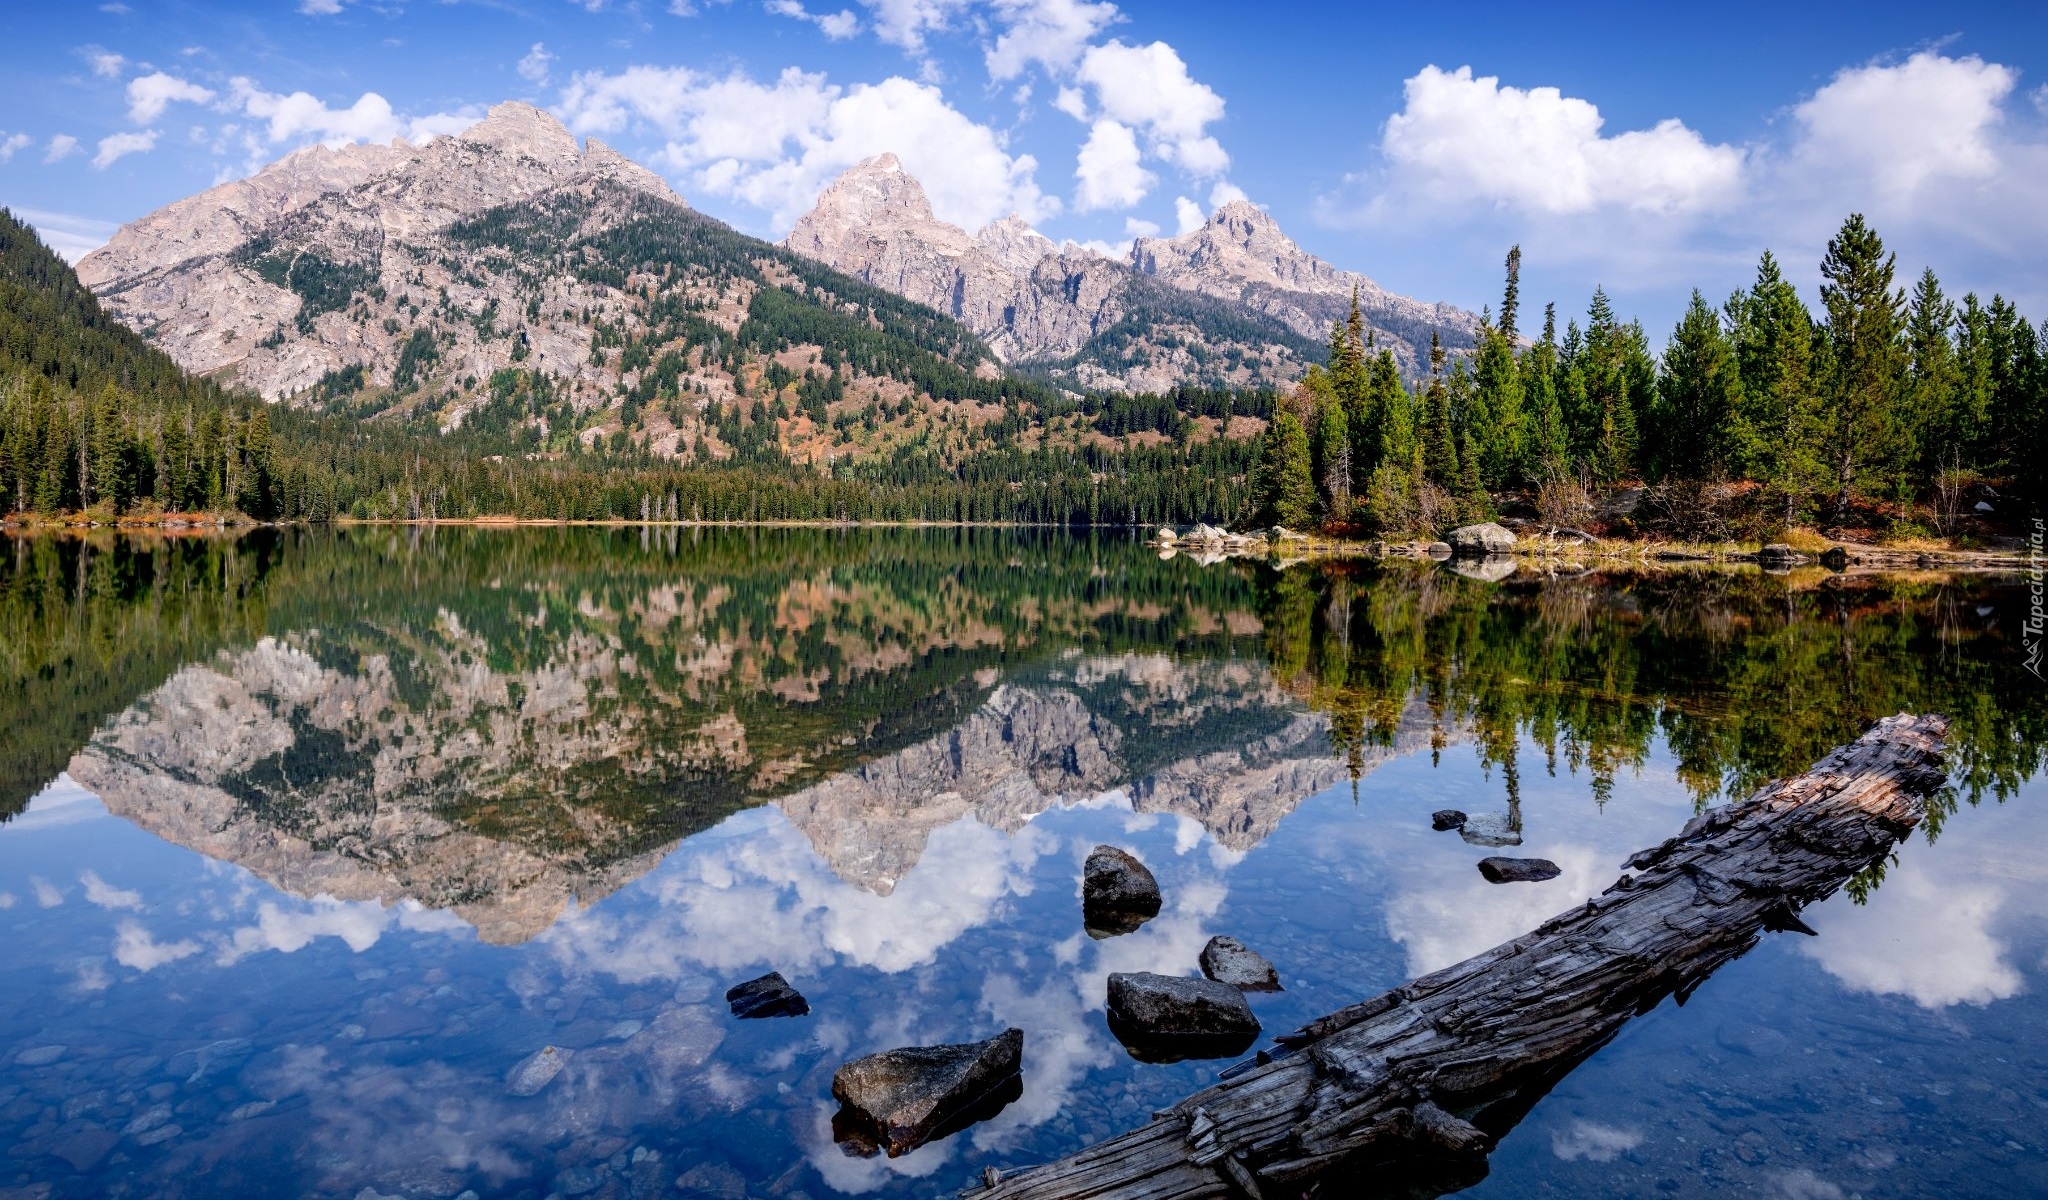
1167,1018
1835,559
1446,818
768,996
899,1100
1517,870
1226,960
1118,893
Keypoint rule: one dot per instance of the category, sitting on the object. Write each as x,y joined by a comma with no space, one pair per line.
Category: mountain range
575,291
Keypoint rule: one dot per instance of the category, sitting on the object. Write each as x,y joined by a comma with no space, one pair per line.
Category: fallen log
1426,1078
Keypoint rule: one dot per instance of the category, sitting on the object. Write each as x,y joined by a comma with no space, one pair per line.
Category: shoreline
1286,550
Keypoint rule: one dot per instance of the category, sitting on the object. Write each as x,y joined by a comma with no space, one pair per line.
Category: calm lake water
311,839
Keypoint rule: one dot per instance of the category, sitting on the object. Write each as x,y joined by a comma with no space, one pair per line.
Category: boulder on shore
1227,960
1118,893
1481,539
768,996
900,1099
1517,870
1166,1018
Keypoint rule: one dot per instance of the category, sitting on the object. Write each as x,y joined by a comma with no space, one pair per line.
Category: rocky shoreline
1490,550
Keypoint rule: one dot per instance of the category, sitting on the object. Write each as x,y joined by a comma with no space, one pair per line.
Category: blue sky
1630,146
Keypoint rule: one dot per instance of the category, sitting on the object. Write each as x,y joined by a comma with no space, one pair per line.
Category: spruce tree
1866,432
1511,299
1282,490
1943,430
1698,397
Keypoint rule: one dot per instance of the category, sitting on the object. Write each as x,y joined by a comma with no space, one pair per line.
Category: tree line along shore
1887,415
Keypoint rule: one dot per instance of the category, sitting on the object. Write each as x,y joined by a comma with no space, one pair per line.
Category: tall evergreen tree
1511,299
1866,431
1780,426
1282,490
1698,393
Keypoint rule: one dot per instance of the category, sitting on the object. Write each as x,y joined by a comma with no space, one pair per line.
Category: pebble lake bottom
333,833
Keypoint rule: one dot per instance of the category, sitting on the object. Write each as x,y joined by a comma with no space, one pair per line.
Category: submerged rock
1517,870
900,1099
1166,1018
768,996
537,1070
1482,539
1226,960
1490,829
1118,893
1446,818
1491,569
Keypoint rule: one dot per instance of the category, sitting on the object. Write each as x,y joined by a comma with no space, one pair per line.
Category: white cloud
1190,833
62,146
1073,102
1594,1143
46,896
776,145
1924,935
1466,140
905,22
14,143
1899,127
1148,88
106,895
835,26
1108,169
134,947
534,67
320,8
106,64
1225,192
301,116
149,95
1187,215
1051,33
119,145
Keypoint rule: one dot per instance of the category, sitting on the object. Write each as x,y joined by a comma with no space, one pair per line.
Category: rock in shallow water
537,1070
1226,960
1166,1018
1490,829
1517,870
1446,818
768,996
1118,893
900,1099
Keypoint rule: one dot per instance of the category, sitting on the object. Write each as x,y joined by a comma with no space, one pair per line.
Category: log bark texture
1436,1070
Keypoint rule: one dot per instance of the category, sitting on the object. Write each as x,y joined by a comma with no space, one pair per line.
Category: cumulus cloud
106,64
1922,935
1149,88
46,895
134,947
776,145
119,145
1462,139
1593,1142
106,895
61,147
1901,126
14,142
149,95
302,116
1051,33
1187,215
905,23
535,66
1108,169
835,26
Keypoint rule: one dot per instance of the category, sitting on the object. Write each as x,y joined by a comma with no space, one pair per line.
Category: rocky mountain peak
1012,242
523,129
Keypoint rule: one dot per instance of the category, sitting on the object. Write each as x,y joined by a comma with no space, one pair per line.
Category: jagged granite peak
213,279
1012,242
1034,301
1241,254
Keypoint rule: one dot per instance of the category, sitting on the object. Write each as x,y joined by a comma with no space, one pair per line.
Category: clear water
320,836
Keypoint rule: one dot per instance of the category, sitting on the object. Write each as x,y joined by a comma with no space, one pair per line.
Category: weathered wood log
1438,1069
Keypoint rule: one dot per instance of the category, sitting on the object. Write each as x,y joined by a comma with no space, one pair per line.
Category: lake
313,839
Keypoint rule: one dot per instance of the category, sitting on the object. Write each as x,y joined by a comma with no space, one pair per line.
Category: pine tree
1775,347
1282,490
1699,394
1511,299
1866,432
1547,449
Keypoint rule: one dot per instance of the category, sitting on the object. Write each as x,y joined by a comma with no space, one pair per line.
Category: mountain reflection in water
460,794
